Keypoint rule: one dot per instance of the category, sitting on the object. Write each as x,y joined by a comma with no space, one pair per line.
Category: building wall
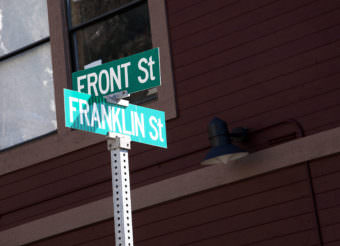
270,66
277,208
325,174
272,209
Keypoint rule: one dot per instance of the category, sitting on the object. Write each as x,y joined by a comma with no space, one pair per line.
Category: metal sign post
119,145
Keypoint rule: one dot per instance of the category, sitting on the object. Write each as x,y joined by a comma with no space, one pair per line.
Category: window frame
66,140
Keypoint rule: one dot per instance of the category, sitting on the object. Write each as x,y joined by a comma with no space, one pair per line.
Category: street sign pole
107,113
119,145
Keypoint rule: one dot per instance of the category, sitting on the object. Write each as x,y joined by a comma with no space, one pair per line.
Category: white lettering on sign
133,124
157,134
106,117
145,70
92,80
125,66
101,89
73,109
125,131
151,63
79,79
115,77
83,112
139,122
95,116
151,122
160,126
114,119
105,80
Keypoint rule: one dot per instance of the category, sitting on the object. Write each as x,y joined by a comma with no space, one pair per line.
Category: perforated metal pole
119,145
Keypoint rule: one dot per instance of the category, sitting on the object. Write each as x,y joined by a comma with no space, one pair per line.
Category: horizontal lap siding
256,186
97,232
332,244
209,19
52,164
249,42
177,6
272,208
249,27
252,63
55,185
326,180
72,184
233,74
38,209
189,12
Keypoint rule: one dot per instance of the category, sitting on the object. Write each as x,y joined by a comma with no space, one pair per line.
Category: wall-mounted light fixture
222,150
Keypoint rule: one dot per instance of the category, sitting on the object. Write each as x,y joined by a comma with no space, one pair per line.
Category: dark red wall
272,209
326,176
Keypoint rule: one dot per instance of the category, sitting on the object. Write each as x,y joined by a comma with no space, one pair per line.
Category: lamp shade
222,150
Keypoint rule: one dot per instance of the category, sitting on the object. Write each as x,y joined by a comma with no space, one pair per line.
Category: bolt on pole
119,146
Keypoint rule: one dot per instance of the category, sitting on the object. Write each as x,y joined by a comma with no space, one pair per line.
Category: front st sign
132,74
94,114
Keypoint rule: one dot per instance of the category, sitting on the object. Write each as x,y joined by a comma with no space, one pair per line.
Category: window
27,107
107,30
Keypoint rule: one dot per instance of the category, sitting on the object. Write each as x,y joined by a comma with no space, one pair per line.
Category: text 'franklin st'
92,114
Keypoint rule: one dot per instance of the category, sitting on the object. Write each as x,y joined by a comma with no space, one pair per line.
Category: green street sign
94,114
133,73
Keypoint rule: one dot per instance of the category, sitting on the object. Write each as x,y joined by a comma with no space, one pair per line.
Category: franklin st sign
94,114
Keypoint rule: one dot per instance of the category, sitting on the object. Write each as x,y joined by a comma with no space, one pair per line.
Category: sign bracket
117,98
119,145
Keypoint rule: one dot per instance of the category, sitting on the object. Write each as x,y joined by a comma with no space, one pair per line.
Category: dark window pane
84,10
122,35
142,97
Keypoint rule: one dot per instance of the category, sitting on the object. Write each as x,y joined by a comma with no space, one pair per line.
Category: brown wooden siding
326,176
252,63
53,186
272,209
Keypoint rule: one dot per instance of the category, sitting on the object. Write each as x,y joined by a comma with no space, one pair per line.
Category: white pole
119,145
